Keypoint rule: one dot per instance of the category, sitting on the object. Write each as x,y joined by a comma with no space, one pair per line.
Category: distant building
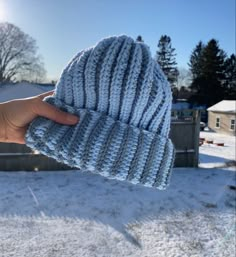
222,116
183,110
22,90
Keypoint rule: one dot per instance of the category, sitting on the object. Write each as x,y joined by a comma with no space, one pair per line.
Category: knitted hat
123,101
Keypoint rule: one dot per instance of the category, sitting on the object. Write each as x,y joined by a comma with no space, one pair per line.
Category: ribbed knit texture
123,101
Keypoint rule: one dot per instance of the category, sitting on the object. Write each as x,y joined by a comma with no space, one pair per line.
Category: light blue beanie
123,101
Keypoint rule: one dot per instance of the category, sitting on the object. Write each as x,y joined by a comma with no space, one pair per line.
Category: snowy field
69,213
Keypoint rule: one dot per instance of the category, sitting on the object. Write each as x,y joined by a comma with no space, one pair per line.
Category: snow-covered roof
224,106
22,90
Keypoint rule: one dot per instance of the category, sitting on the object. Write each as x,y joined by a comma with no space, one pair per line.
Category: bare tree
184,78
18,55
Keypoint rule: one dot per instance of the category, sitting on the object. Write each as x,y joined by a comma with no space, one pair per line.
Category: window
232,124
217,122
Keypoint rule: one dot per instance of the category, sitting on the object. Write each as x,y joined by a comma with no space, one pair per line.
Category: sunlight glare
2,11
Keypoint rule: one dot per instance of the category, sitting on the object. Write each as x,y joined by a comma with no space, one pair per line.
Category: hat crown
119,77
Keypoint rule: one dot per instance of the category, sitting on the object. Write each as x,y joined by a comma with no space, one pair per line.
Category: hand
16,115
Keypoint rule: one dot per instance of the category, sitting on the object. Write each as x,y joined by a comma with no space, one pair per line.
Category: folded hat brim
102,145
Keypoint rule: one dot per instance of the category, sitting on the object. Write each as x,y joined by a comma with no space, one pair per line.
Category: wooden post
197,118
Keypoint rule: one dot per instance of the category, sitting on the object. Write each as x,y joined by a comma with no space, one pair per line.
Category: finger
51,112
42,96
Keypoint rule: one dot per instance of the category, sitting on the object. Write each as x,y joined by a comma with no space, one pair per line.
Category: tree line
211,76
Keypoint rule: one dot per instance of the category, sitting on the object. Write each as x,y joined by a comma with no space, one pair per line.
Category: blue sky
63,27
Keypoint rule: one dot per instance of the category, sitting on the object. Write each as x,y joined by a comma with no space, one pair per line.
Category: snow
224,106
21,90
71,213
212,155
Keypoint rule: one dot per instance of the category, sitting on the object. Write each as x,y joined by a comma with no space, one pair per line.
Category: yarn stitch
123,101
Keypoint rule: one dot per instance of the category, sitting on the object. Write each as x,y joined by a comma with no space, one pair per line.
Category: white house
222,116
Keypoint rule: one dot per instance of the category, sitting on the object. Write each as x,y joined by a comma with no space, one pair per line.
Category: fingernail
72,118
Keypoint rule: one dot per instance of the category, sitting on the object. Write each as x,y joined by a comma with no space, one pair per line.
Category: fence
184,135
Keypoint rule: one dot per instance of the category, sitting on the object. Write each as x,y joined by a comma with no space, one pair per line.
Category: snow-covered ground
211,155
69,213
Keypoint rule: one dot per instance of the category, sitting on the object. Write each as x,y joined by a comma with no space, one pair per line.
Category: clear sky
63,27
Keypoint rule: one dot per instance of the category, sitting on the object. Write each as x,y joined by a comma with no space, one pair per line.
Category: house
222,116
180,109
183,110
22,90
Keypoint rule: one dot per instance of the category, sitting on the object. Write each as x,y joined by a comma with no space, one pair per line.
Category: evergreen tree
213,61
165,56
139,38
195,62
208,65
175,94
230,77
